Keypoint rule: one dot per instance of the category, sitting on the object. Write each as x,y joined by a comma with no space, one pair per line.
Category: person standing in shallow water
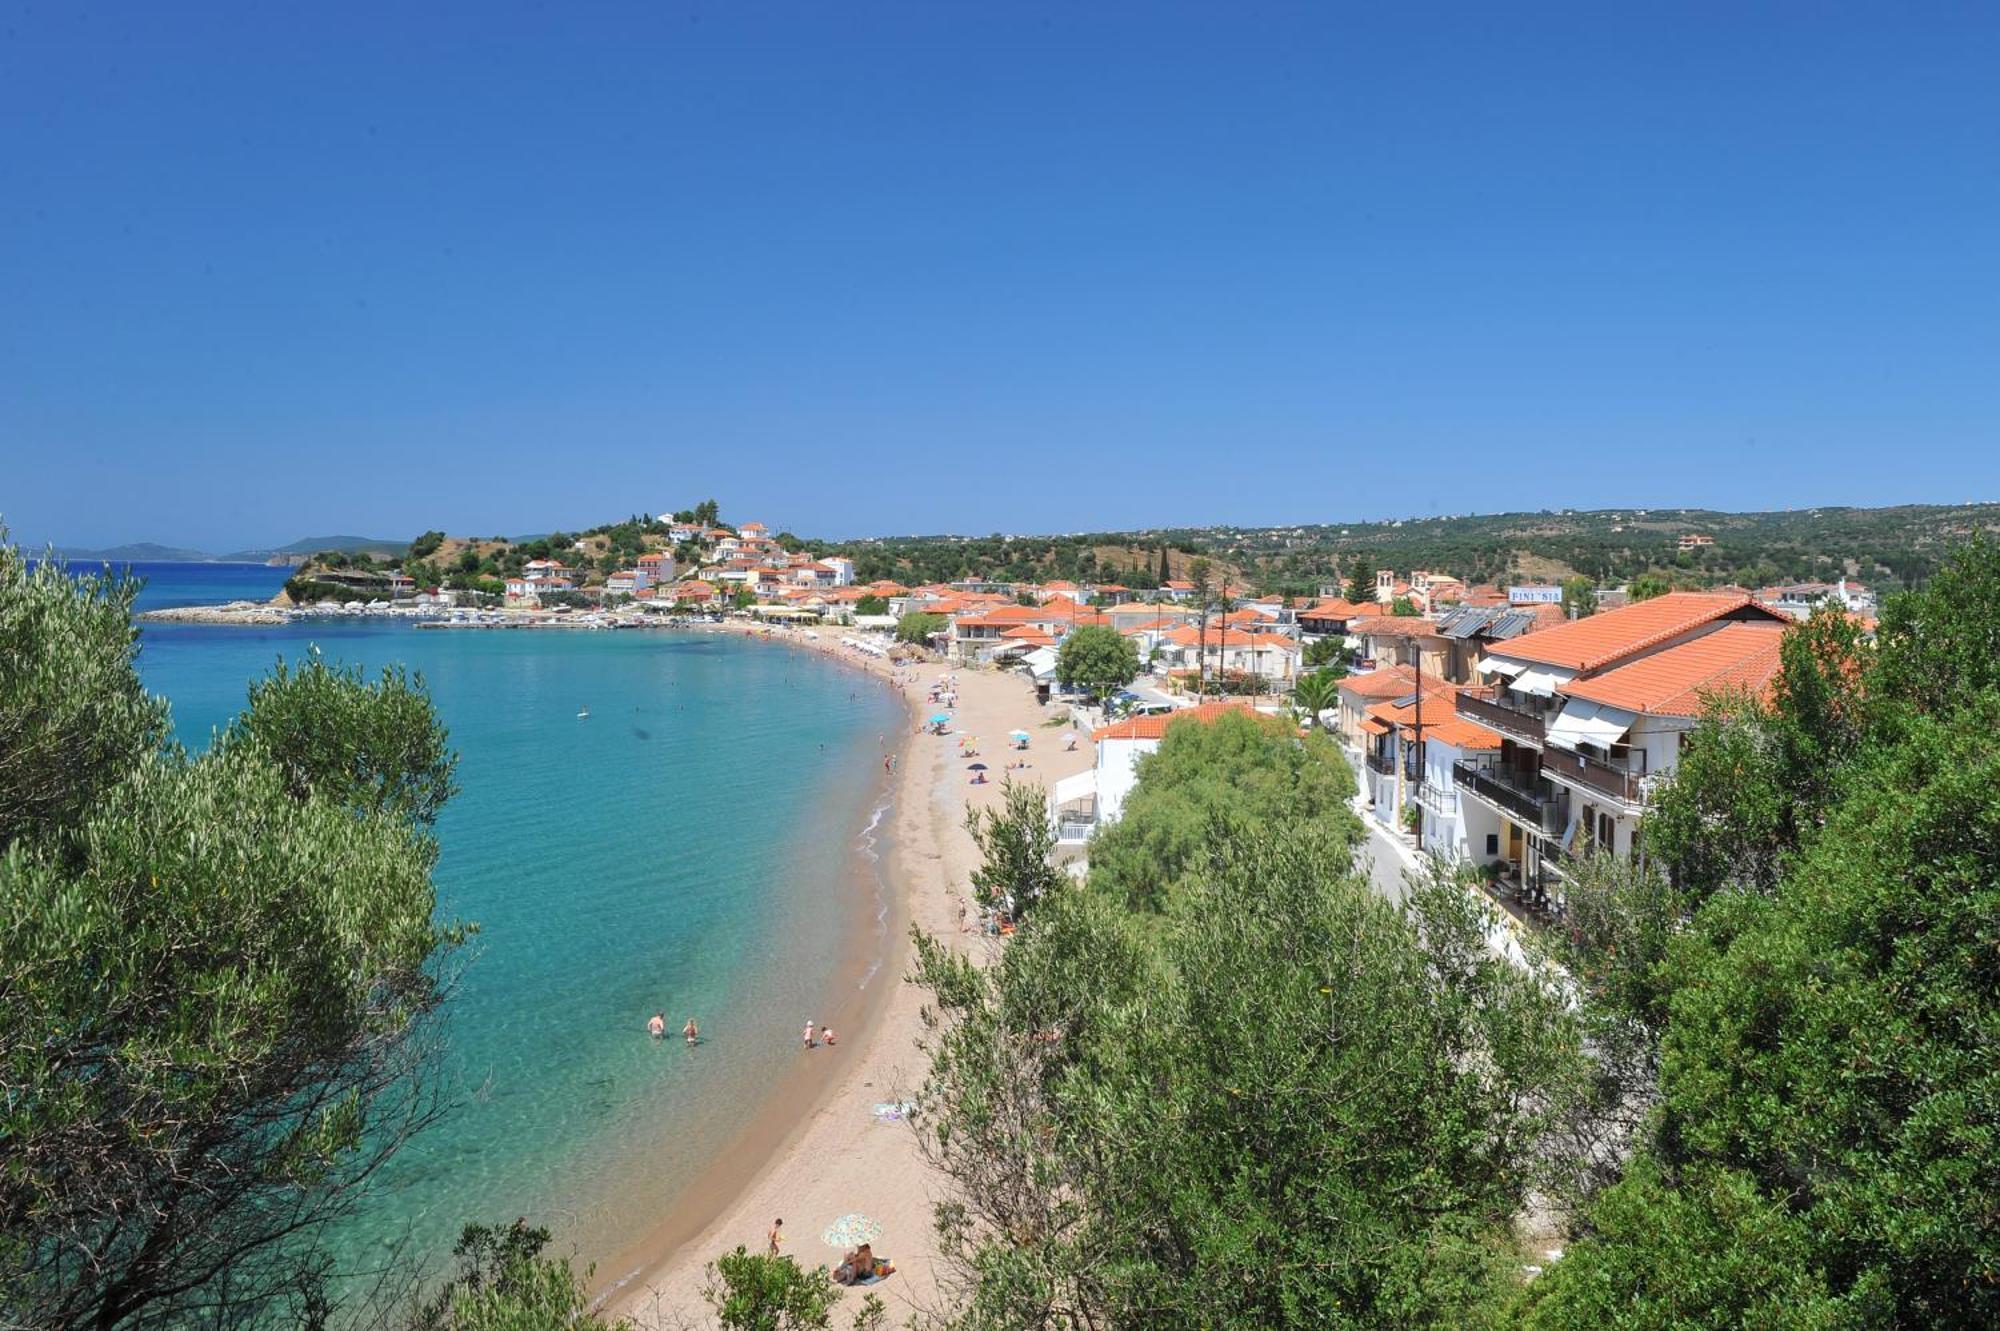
809,1035
657,1025
691,1032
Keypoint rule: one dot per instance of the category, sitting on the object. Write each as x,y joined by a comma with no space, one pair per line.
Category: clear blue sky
858,268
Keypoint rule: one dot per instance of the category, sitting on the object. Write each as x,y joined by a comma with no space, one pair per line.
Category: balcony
1526,727
1442,802
1380,765
1596,776
1522,798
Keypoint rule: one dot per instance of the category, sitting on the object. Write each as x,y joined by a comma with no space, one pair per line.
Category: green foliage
1722,821
1827,1135
1403,607
1016,842
503,1283
753,1292
919,627
1317,692
1206,780
1940,647
1579,597
219,973
73,718
1329,654
1646,586
871,605
1360,580
1098,659
1279,1102
426,545
372,748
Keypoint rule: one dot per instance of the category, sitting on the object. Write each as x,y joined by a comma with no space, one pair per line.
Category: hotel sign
1534,596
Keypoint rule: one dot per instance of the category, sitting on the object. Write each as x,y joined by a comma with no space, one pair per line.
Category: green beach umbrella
851,1231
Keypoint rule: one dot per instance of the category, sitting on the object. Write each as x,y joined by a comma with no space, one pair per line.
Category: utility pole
1420,747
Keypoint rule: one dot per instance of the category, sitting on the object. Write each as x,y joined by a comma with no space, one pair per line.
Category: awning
1540,681
1499,665
1082,786
1374,727
1588,723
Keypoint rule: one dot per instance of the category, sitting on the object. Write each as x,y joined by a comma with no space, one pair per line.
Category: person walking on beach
691,1032
657,1027
809,1035
776,1238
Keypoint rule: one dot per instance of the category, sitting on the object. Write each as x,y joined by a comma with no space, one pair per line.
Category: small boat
583,714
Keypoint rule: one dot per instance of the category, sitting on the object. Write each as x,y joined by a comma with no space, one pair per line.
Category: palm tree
1315,693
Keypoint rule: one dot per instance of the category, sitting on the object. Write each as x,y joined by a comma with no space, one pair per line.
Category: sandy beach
820,1150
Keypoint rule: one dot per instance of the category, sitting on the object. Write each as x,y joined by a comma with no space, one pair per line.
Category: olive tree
218,973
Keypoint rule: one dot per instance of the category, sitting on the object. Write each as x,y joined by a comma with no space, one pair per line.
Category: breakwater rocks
235,612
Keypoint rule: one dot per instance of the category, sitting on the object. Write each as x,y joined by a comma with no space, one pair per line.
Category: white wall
1118,772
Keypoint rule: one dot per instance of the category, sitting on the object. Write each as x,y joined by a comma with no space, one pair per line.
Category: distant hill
312,545
152,552
139,552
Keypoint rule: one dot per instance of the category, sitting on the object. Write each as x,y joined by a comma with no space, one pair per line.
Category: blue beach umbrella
851,1231
940,719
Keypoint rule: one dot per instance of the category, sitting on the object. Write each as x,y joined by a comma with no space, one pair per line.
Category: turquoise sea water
693,846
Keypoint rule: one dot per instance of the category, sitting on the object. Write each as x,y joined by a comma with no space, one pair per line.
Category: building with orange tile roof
1591,713
1080,804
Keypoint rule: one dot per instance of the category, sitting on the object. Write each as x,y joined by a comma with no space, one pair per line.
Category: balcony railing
1595,774
1442,802
1510,793
1515,724
1075,829
1381,765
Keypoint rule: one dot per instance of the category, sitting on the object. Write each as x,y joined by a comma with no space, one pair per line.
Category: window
1492,843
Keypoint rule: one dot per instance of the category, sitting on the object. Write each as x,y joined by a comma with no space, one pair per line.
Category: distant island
297,552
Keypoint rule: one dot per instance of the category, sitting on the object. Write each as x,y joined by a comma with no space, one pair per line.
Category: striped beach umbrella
851,1231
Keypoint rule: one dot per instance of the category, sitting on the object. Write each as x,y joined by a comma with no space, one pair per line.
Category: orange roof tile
1396,681
1335,609
1393,626
1672,682
1463,734
1598,640
1153,727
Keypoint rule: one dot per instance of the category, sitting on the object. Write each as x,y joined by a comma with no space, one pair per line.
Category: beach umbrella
975,767
940,719
851,1231
1017,734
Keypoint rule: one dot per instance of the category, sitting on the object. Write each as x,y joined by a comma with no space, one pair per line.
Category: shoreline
816,1148
864,979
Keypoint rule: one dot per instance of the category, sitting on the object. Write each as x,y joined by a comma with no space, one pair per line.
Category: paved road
1386,860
